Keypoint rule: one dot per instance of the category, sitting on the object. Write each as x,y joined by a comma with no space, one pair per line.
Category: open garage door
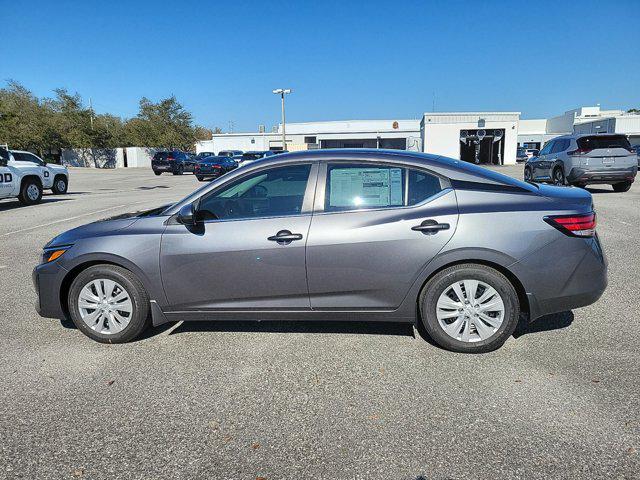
482,146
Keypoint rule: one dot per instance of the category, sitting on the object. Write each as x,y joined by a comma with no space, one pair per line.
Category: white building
535,133
479,137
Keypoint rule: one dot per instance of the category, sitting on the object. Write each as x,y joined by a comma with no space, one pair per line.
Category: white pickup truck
24,181
56,177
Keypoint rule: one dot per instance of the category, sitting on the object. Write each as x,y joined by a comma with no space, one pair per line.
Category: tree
633,110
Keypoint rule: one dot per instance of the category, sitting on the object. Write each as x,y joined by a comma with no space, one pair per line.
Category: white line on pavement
60,221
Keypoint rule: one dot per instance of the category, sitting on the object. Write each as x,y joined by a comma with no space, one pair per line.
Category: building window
310,140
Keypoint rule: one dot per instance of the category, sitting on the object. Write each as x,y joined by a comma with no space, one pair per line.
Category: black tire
140,317
528,174
60,185
200,178
558,176
622,186
441,282
30,185
157,173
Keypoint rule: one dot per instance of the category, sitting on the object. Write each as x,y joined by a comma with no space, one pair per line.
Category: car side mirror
187,215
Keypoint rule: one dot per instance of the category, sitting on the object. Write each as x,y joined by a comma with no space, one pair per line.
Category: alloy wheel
61,185
558,177
33,192
470,310
105,306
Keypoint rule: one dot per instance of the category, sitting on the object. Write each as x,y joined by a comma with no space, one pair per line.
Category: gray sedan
342,235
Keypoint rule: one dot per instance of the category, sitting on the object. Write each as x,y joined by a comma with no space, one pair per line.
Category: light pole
282,92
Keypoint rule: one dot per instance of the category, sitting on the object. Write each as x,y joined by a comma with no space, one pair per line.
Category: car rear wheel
200,178
109,304
30,192
558,176
157,172
60,185
469,308
528,174
622,186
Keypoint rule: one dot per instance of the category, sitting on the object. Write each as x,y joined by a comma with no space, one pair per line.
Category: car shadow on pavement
4,206
370,328
544,324
599,190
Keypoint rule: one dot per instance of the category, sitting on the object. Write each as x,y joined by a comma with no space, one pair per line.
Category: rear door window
356,186
559,146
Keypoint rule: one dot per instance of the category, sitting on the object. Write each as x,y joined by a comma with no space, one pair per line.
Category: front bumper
47,280
583,175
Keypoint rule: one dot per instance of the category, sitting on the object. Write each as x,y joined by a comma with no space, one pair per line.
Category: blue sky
344,60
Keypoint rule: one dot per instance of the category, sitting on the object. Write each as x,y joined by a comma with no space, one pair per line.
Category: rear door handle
285,237
430,227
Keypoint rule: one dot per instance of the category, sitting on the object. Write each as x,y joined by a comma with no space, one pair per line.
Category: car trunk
573,197
605,152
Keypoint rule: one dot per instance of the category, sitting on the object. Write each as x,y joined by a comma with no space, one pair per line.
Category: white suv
584,159
22,181
56,177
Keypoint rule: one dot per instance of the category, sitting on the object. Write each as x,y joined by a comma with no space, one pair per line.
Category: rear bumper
582,175
209,173
570,273
162,168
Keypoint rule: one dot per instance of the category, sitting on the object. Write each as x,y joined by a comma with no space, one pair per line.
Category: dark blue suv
174,161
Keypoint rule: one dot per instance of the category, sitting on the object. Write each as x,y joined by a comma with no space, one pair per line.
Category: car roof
458,170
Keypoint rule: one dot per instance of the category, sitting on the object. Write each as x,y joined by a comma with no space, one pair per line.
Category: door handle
285,237
430,227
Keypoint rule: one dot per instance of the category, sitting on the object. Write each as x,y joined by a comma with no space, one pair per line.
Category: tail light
170,159
578,225
217,167
196,166
579,151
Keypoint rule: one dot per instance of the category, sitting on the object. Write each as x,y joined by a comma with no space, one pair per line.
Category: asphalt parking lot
308,400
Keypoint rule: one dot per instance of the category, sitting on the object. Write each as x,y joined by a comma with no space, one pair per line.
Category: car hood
56,167
95,229
103,227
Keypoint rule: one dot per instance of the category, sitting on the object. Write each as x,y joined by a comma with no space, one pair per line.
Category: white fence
130,157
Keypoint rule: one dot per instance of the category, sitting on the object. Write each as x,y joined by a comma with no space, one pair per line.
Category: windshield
252,156
604,141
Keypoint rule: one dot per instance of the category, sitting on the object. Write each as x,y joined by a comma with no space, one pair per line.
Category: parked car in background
174,161
532,152
21,180
637,149
213,166
230,153
584,159
521,155
250,157
56,177
202,155
357,235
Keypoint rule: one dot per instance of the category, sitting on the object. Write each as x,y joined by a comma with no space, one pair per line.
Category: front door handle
285,237
430,227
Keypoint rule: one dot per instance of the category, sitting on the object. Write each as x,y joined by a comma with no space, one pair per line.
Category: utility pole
91,113
282,92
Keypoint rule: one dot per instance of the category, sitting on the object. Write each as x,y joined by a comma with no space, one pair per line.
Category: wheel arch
31,176
86,262
515,281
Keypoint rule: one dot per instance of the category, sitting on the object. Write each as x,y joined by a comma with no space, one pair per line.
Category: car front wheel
469,308
60,185
528,174
109,304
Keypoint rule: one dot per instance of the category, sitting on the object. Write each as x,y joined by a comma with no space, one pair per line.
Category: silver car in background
336,235
585,159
